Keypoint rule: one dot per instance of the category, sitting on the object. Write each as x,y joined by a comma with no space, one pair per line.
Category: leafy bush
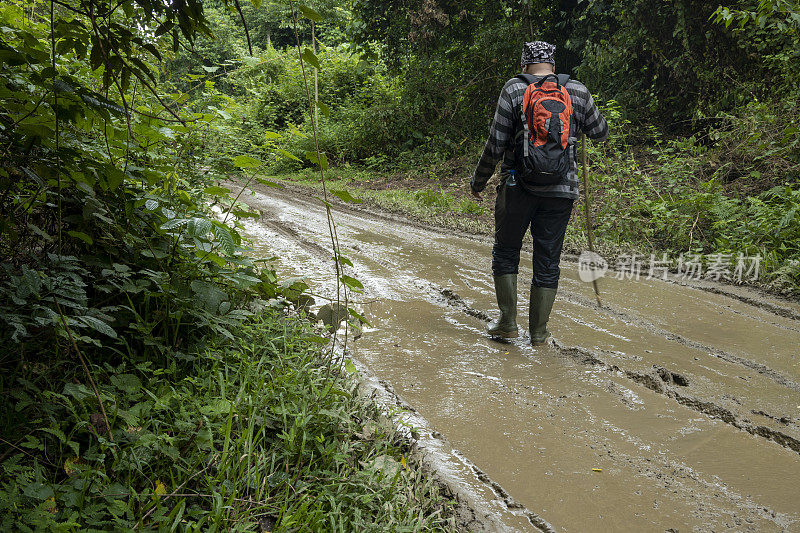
250,430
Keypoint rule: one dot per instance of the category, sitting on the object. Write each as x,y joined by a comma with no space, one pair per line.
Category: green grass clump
254,432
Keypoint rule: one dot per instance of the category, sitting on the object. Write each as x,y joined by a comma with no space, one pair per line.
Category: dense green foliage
152,375
247,433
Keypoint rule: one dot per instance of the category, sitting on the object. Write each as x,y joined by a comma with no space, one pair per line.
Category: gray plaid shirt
585,118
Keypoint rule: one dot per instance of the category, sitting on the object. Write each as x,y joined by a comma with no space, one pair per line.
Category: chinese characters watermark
736,268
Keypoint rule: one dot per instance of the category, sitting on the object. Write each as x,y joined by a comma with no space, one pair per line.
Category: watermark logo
591,266
687,266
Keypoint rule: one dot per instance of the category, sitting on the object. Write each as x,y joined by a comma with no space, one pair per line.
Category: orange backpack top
541,145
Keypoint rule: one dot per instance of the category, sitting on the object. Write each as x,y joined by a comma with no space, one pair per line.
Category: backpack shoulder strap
563,79
527,78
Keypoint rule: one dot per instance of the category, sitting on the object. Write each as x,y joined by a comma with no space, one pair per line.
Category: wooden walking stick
588,216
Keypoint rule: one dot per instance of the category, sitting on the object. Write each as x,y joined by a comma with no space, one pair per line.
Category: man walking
545,208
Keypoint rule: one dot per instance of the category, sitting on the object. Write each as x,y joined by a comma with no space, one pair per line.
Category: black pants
516,210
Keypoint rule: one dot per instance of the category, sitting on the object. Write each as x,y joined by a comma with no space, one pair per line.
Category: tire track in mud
292,234
659,380
720,288
297,194
511,504
650,327
368,211
773,308
471,514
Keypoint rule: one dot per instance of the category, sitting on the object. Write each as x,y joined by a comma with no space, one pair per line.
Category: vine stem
331,224
86,370
55,113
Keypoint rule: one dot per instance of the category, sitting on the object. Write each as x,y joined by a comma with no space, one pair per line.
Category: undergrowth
255,432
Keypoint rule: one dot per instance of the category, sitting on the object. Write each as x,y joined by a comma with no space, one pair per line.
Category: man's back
507,122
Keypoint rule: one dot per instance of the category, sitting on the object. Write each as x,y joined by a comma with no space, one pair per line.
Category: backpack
541,145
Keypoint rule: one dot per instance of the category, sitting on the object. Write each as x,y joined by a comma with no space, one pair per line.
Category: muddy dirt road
688,400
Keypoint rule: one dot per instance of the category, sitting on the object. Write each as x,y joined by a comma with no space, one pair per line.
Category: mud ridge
536,521
762,369
662,381
454,300
291,233
472,514
773,308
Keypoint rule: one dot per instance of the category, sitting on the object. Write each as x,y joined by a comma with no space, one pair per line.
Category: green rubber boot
505,287
541,304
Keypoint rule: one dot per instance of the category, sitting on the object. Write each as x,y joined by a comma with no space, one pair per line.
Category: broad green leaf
171,224
350,367
271,135
164,28
113,176
310,13
245,161
198,227
213,258
309,57
256,3
82,236
209,294
318,159
326,204
358,316
217,406
243,281
288,154
345,260
225,238
210,69
241,213
126,382
346,197
351,282
269,183
216,191
156,254
98,325
324,109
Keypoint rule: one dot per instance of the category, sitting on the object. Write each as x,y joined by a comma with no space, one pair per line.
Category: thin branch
246,31
331,223
86,370
14,446
55,115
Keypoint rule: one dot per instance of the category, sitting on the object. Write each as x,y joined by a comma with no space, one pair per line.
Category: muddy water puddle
673,408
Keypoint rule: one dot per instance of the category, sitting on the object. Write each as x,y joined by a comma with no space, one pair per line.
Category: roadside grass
254,433
424,200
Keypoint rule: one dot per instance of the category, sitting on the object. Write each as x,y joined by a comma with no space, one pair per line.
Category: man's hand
475,193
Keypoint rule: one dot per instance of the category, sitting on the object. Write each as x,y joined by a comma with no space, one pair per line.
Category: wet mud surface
672,408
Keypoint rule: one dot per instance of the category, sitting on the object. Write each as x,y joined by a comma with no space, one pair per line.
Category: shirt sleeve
501,133
595,125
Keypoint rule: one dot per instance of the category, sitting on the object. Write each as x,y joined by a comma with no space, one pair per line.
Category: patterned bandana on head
538,52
